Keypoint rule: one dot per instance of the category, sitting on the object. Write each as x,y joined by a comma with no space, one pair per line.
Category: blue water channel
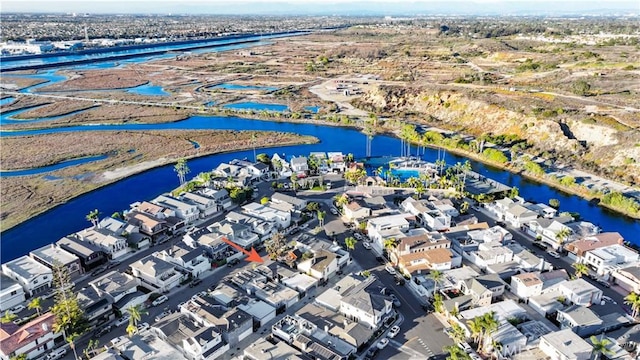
70,217
257,106
49,168
239,87
148,90
7,100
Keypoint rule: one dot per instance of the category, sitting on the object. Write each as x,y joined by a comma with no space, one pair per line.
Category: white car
382,343
358,236
393,332
161,299
56,354
162,315
143,326
16,309
390,269
123,320
554,254
366,245
333,211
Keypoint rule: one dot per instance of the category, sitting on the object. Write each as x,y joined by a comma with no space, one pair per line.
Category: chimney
45,327
326,328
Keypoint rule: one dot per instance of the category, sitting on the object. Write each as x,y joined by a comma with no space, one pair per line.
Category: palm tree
22,356
457,333
440,164
131,329
438,303
35,303
135,313
436,276
93,216
70,339
350,242
8,317
294,181
496,347
182,169
341,200
321,216
581,269
600,346
563,235
490,324
633,300
389,243
455,353
475,327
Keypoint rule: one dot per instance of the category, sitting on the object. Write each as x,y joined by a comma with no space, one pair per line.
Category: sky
326,7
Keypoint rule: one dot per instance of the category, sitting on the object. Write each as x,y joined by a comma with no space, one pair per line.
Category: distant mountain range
342,8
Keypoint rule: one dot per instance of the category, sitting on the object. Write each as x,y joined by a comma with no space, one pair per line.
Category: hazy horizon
333,7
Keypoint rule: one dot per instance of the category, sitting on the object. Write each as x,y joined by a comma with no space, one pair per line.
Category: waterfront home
220,196
526,285
321,266
90,255
336,162
156,274
11,293
114,285
190,338
182,209
51,255
117,226
264,229
518,215
607,259
236,232
206,205
297,203
148,208
34,277
579,248
299,165
543,210
547,230
115,246
565,345
580,319
32,339
233,324
281,166
281,219
148,224
192,260
628,278
277,350
97,309
385,227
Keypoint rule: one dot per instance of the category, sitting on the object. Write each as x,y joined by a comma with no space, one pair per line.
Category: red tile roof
13,337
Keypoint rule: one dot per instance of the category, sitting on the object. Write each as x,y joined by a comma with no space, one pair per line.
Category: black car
232,262
102,331
380,259
195,283
400,280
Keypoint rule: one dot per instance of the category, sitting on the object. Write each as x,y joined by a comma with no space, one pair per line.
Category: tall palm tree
490,324
457,333
563,235
131,329
633,300
350,242
580,269
35,303
321,216
182,169
600,347
496,349
455,353
436,276
389,243
93,216
71,340
135,313
475,327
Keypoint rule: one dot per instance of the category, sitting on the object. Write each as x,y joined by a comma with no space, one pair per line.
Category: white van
161,299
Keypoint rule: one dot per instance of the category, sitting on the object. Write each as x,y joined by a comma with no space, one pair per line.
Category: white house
183,209
34,338
156,273
282,219
384,227
428,214
115,285
281,166
565,345
628,278
580,292
518,215
366,307
264,229
322,266
526,285
49,255
299,164
607,259
221,197
543,210
548,229
191,338
297,203
34,277
355,211
115,246
193,260
11,293
236,232
205,204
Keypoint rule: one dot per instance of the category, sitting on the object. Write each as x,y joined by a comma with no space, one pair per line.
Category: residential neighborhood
351,270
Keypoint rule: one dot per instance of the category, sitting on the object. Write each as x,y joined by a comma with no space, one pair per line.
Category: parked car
123,320
366,245
380,259
162,315
99,332
465,346
554,254
540,245
161,299
390,269
113,264
143,326
16,309
382,343
400,280
56,354
195,283
232,262
333,211
358,236
604,283
395,300
98,271
393,332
